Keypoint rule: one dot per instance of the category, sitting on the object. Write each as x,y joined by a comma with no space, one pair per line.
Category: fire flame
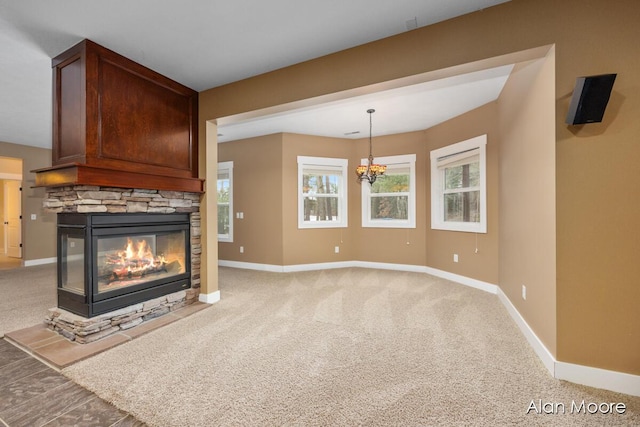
135,252
138,255
135,260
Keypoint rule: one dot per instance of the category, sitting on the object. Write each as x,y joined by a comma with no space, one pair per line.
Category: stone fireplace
124,181
124,256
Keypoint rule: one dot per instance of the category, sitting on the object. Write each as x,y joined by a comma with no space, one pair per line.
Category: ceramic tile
45,342
20,369
35,336
26,388
64,353
47,406
95,412
9,353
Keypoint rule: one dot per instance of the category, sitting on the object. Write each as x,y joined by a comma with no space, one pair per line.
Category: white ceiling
405,109
207,43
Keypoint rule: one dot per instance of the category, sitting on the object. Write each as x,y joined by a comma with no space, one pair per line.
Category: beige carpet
339,347
26,294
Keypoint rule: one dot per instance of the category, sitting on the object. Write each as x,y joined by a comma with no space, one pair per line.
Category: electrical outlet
33,217
337,249
455,257
241,249
524,292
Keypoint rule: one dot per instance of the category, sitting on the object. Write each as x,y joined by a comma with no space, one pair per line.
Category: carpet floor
26,293
341,347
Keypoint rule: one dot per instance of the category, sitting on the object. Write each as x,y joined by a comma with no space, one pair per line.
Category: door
13,218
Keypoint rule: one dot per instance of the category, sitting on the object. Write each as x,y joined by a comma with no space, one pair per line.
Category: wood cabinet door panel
69,103
142,121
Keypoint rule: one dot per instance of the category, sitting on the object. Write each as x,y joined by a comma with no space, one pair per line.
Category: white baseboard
619,382
467,281
389,266
40,261
599,378
251,266
318,266
463,280
536,344
210,298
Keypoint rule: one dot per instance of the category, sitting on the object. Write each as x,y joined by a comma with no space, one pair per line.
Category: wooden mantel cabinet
116,122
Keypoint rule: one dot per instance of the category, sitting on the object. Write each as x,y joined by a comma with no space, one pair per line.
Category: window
225,202
391,200
322,192
458,186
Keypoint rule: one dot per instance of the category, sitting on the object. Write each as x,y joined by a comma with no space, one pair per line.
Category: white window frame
228,167
340,165
476,146
406,160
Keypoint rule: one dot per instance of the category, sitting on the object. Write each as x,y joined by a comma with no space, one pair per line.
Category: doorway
11,212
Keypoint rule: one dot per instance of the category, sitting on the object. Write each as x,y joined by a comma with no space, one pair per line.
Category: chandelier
370,171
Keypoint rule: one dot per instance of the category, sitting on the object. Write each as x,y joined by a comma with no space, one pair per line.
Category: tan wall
38,236
441,245
527,195
257,193
400,245
597,293
306,246
598,194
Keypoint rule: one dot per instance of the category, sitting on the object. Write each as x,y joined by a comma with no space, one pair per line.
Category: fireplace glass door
110,261
73,271
130,260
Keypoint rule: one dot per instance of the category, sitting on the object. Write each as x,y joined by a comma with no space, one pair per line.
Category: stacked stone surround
87,199
85,330
90,199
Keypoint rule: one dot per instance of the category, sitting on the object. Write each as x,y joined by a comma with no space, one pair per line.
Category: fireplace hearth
109,261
